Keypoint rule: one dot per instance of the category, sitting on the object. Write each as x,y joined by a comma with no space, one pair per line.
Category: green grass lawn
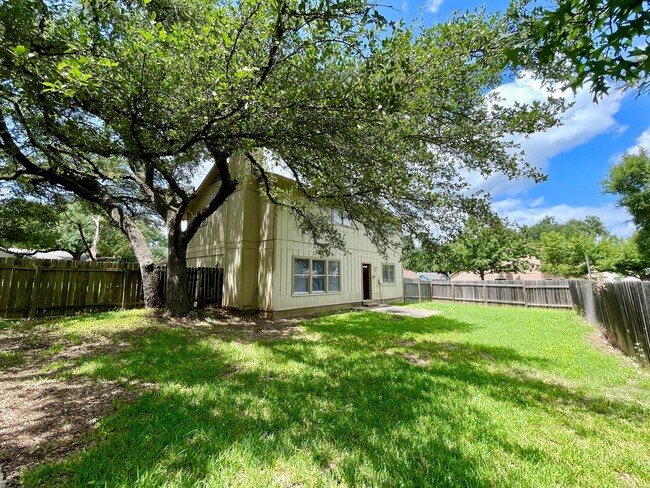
478,396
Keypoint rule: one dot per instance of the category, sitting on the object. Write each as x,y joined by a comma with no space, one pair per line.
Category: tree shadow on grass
380,326
357,411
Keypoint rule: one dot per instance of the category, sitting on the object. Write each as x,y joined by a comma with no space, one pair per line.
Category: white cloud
529,212
583,121
642,141
433,6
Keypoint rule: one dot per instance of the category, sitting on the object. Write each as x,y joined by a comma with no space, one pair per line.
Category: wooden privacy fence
31,288
205,285
547,293
623,308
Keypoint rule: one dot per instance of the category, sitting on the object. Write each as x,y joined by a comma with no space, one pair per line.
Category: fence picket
546,294
622,308
31,288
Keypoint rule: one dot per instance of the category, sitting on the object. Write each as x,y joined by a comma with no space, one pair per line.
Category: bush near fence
31,288
546,293
622,308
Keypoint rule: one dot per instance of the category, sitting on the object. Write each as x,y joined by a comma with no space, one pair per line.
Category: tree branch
227,188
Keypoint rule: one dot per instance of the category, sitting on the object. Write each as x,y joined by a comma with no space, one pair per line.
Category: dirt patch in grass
47,420
229,326
45,416
602,339
42,417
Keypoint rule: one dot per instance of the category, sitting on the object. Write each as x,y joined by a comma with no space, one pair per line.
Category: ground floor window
316,276
333,276
388,274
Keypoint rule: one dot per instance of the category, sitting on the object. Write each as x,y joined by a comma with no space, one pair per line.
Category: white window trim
309,291
389,283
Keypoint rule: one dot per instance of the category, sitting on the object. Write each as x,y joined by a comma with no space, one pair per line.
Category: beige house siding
230,238
256,243
290,244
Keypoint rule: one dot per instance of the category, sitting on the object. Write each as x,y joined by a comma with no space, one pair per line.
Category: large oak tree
120,102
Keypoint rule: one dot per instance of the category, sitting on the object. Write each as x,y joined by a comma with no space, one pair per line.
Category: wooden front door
367,291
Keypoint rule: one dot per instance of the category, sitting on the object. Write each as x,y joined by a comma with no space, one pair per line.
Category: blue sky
575,156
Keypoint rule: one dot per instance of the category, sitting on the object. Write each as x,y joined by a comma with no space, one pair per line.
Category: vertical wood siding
255,242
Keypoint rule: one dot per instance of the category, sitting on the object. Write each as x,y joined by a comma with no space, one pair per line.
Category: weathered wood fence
205,285
546,294
31,288
623,308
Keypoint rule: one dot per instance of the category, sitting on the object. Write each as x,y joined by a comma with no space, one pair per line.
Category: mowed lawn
477,396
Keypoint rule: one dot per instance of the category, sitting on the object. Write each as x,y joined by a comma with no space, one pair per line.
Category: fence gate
205,285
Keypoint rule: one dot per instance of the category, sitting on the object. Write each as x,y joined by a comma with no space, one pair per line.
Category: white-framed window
334,276
388,274
301,275
314,276
341,217
317,276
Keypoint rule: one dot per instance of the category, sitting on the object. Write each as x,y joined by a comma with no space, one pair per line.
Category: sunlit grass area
477,396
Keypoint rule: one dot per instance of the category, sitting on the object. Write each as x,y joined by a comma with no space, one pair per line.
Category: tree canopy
480,248
601,43
29,225
120,103
629,179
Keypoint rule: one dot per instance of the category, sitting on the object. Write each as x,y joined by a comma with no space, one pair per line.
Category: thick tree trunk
76,254
144,256
178,300
152,296
93,246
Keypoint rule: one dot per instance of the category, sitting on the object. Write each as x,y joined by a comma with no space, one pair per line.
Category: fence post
523,285
430,292
32,304
419,292
453,295
485,293
199,287
124,281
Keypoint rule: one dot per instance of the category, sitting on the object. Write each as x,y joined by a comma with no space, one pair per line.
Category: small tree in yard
120,103
481,249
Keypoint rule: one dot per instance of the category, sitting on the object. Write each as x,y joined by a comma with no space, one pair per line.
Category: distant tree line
29,225
563,248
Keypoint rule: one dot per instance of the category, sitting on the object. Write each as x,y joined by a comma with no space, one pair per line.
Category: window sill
316,294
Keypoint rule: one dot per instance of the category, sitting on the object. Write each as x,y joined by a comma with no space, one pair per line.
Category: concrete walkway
415,313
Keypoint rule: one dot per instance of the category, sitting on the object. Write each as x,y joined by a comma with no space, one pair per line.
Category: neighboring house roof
410,275
533,274
610,277
63,255
433,277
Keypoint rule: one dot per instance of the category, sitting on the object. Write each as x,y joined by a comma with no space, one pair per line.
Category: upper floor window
341,217
388,274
